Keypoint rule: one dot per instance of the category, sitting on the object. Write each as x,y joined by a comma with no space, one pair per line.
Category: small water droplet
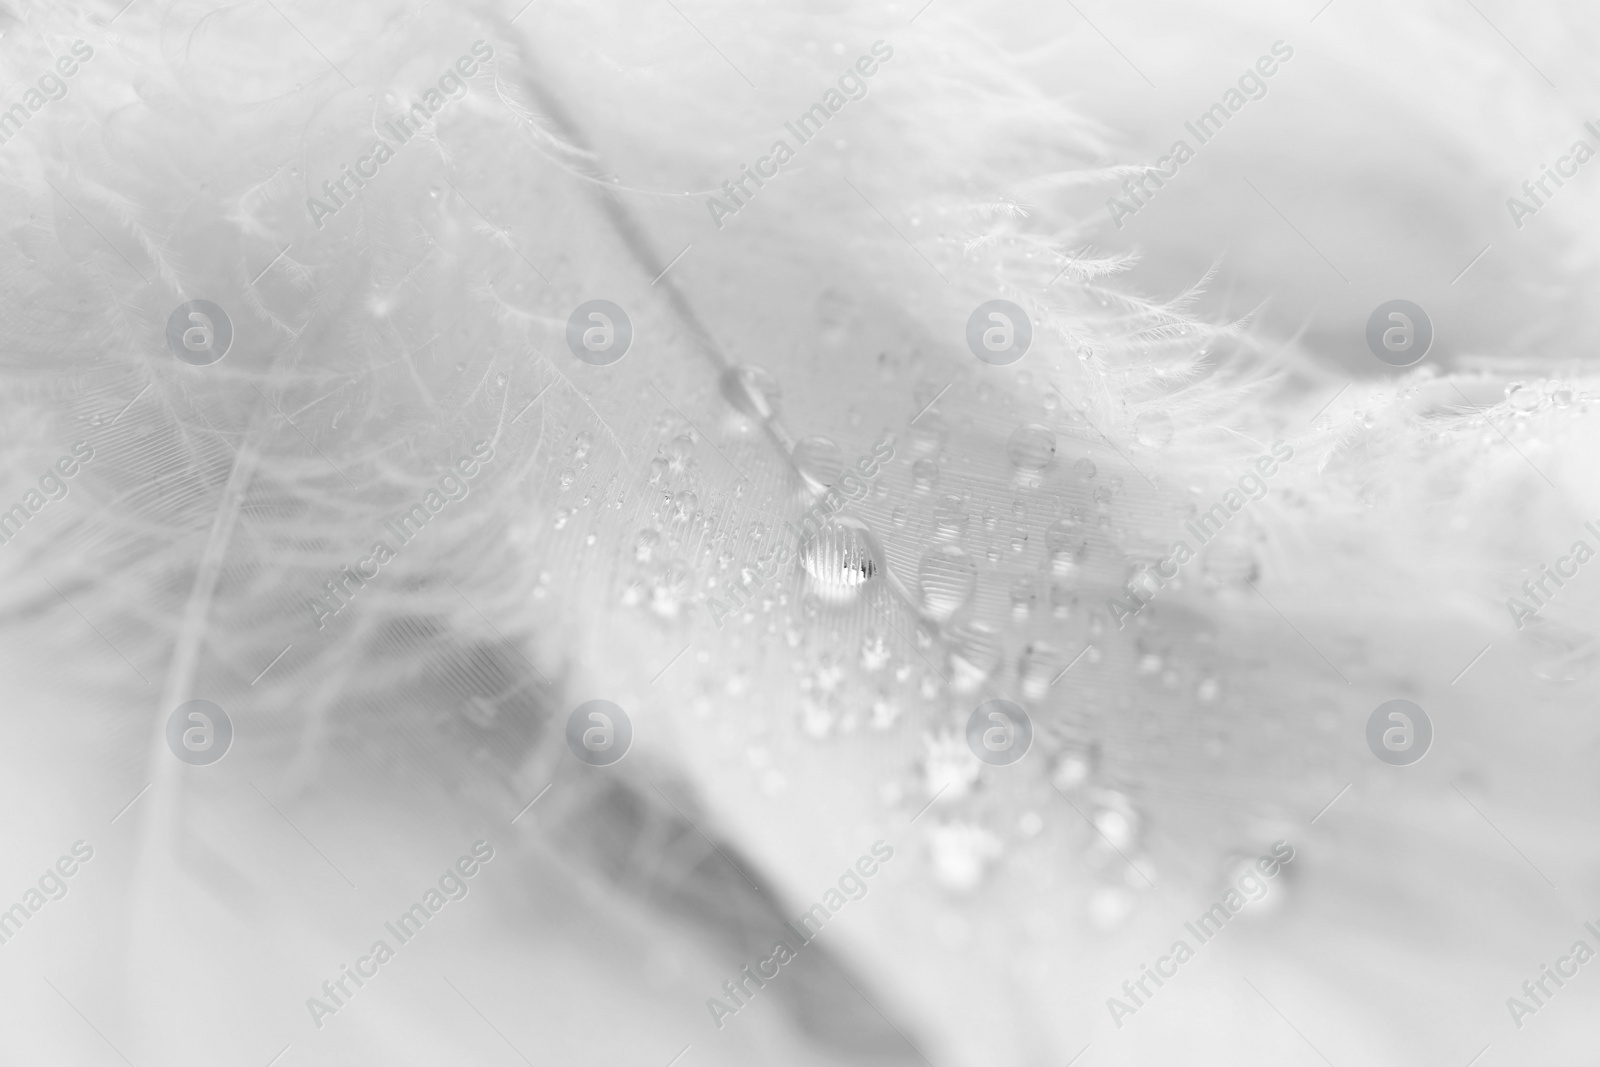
946,578
924,473
752,390
1064,545
821,461
1084,468
950,515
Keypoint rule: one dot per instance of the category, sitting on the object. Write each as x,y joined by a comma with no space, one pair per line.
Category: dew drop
821,461
1522,397
1153,429
752,390
950,515
1031,447
1230,560
1064,545
839,560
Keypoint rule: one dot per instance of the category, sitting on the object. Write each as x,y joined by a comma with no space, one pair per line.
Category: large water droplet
947,577
1031,447
1522,397
839,559
1153,429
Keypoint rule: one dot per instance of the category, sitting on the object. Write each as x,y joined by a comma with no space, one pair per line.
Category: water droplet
567,478
961,854
947,578
839,559
949,515
1117,821
821,461
1085,468
924,473
752,390
1230,560
683,505
645,545
1031,447
1063,543
874,651
1522,397
1022,598
1153,429
679,451
975,655
582,443
1036,667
